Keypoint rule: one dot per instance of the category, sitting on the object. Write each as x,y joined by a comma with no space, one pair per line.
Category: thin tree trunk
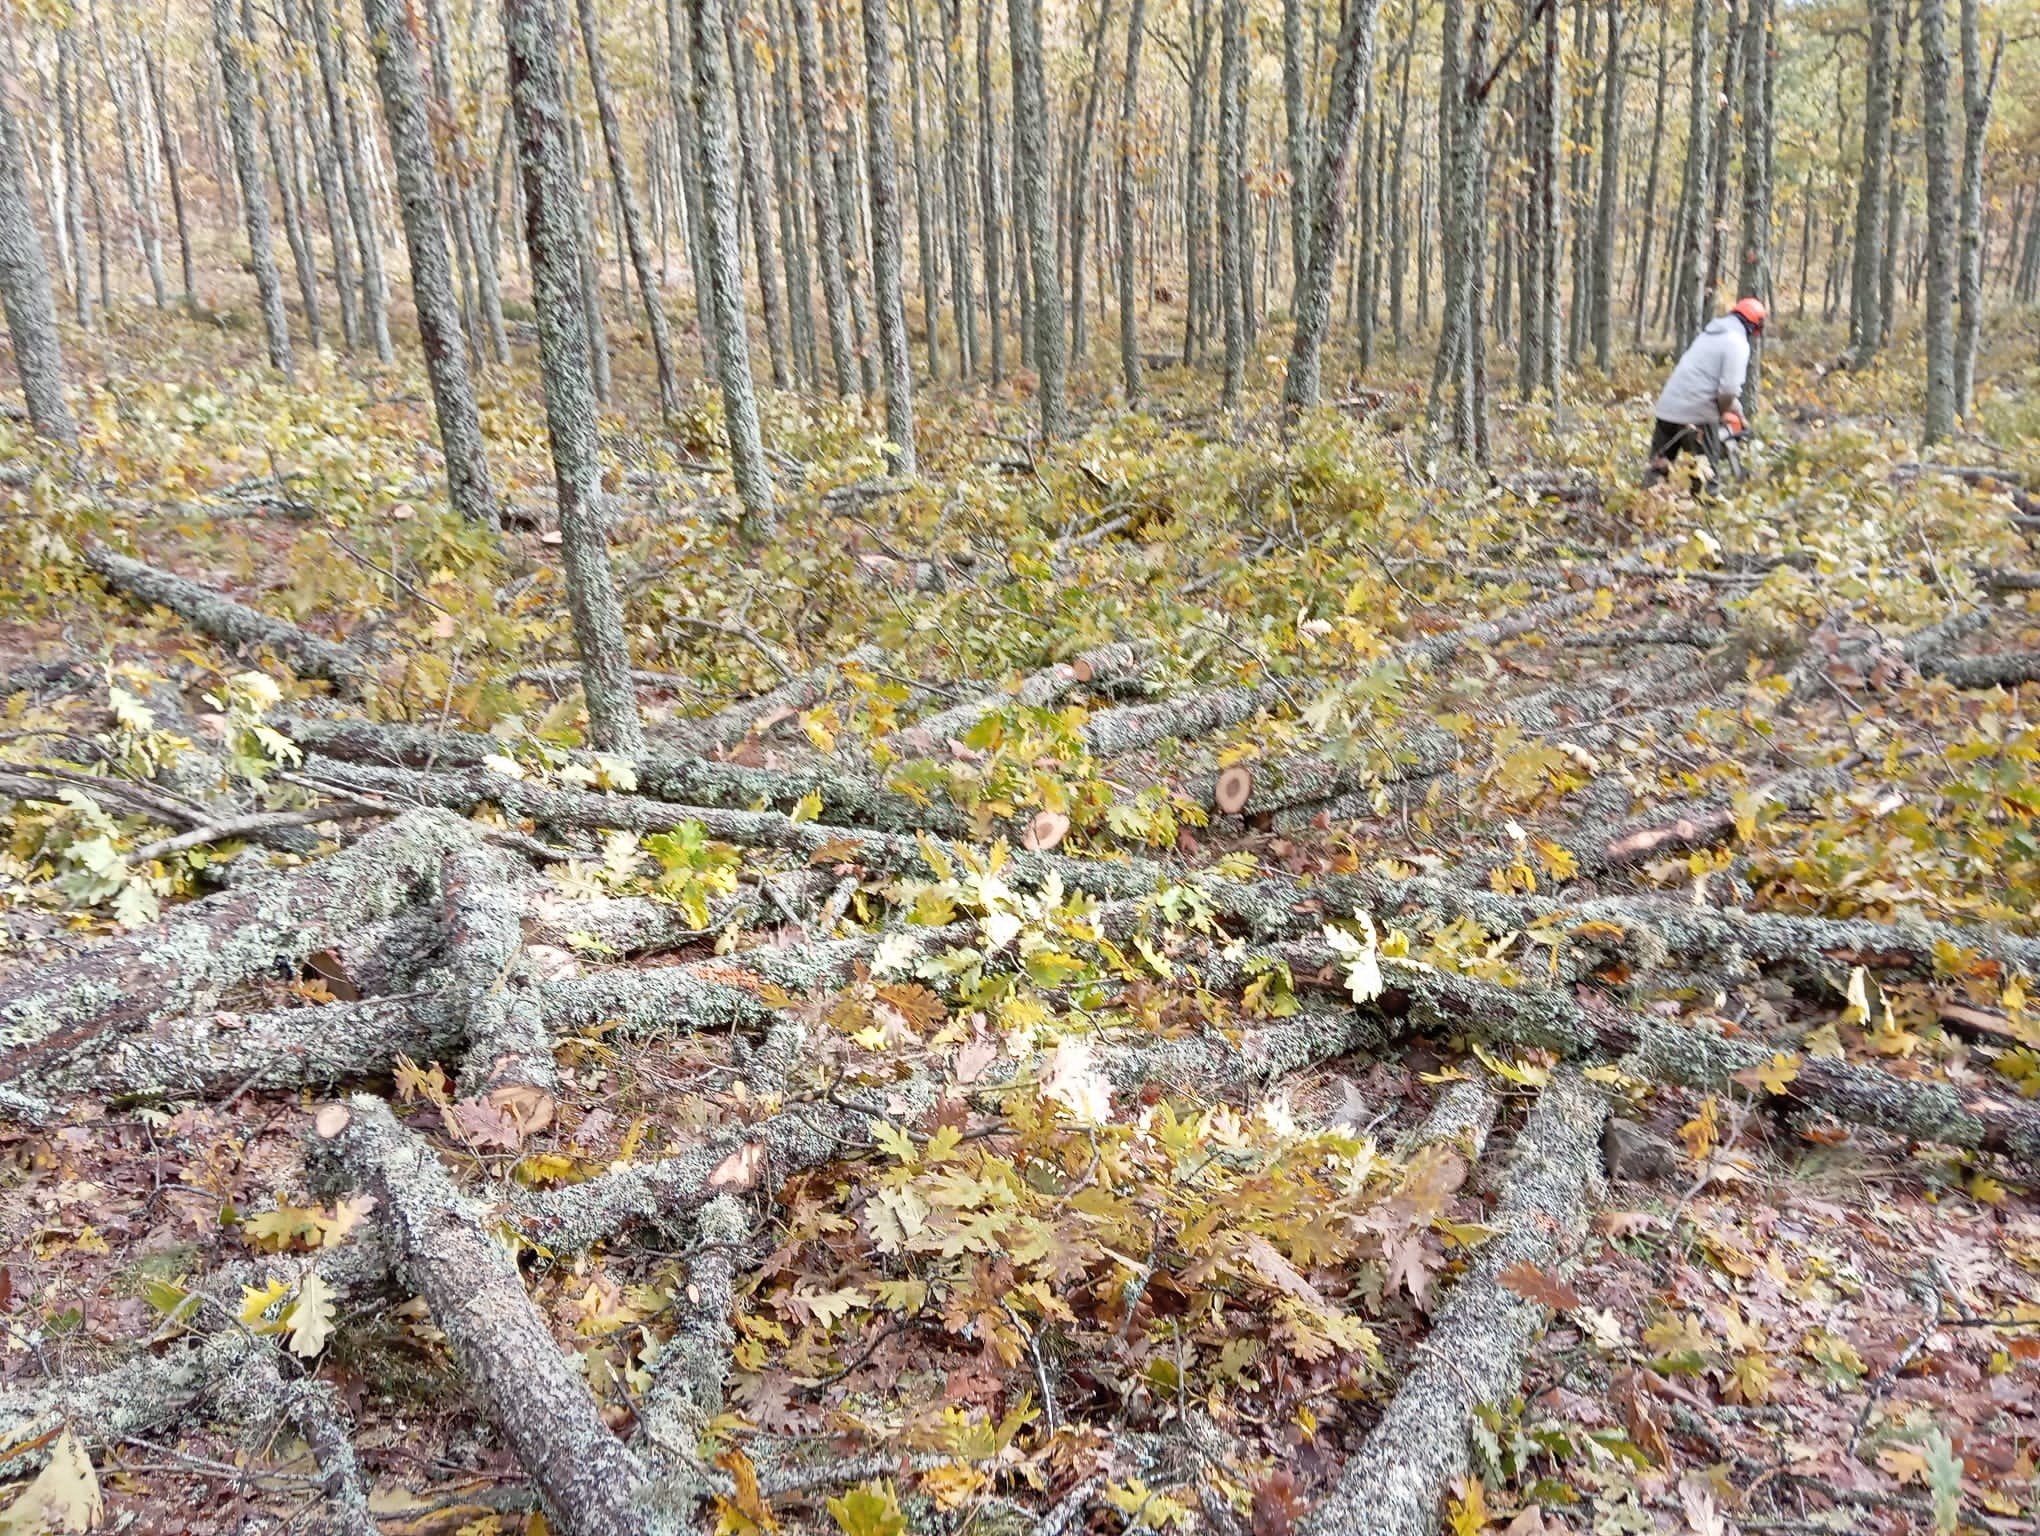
1753,276
248,171
1650,183
1448,363
552,233
1129,107
1398,259
1550,148
751,165
1977,93
400,79
330,197
25,289
708,45
849,205
1717,175
128,130
888,245
360,211
687,175
988,192
1037,210
956,187
1196,212
1866,325
1231,198
931,263
1941,218
590,240
1688,292
789,183
821,175
627,204
1080,184
73,156
295,232
173,168
1296,116
1352,65
1608,196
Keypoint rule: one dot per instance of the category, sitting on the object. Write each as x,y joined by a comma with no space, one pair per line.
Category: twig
738,632
250,825
1885,1378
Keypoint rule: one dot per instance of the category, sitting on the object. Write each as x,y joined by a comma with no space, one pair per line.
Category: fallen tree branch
687,1377
170,966
255,824
591,1484
1474,1353
508,1061
231,623
888,852
734,722
1037,690
2005,670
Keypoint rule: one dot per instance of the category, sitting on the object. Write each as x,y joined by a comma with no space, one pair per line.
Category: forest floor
1065,1150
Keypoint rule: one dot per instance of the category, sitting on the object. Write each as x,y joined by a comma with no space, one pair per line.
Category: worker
1704,393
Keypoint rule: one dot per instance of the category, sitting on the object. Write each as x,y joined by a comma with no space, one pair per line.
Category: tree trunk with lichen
551,233
400,78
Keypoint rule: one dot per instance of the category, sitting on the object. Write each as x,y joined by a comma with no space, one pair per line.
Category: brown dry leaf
1277,1503
972,1057
1272,1267
1534,1284
483,1125
1625,1223
1639,1421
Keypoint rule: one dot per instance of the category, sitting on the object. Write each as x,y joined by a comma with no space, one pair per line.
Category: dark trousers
1669,439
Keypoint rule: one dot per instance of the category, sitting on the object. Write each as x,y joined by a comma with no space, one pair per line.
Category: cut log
898,853
1036,691
1045,830
591,1484
1235,785
508,1062
1130,727
1658,930
1692,1056
179,964
232,623
1985,477
2008,669
732,724
1474,1354
687,1377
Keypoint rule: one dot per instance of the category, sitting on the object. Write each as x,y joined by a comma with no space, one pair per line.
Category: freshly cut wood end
331,1120
1047,829
1082,670
529,1108
1235,785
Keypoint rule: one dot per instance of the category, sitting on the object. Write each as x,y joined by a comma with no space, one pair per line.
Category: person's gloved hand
1734,422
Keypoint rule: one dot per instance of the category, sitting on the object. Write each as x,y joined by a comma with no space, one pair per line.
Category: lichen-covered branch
592,1485
175,965
1474,1354
232,623
508,1060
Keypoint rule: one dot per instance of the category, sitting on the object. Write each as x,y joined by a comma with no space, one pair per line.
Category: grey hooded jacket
1709,378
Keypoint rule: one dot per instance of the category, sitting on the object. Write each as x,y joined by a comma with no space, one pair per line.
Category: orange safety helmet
1752,312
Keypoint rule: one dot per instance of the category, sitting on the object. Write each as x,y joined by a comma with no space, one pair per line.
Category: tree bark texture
400,79
888,245
551,233
229,44
726,272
